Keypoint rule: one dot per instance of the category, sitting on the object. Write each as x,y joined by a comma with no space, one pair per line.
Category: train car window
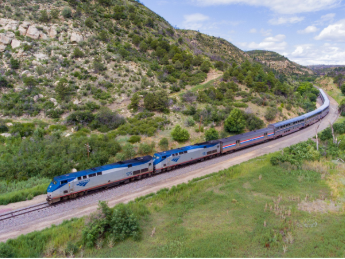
79,178
65,191
185,152
64,181
218,146
92,175
136,172
144,170
85,176
129,166
181,153
149,164
164,157
99,173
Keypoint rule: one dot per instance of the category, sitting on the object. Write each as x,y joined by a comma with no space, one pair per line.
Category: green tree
135,102
211,134
342,88
62,89
235,122
342,107
14,63
3,82
249,80
157,101
143,46
205,66
179,134
164,144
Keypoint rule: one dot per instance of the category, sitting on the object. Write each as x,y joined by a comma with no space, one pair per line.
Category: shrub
235,122
271,113
89,22
3,82
326,134
134,139
77,53
80,117
179,134
145,149
43,16
106,120
211,134
67,12
23,129
254,122
55,13
14,63
164,144
189,122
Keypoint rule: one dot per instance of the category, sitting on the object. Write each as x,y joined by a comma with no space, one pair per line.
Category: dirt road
126,193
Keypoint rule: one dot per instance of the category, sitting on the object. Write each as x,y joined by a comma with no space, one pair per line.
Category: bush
22,129
43,16
80,117
211,134
189,122
106,120
235,122
145,149
254,122
67,12
118,223
14,63
326,134
271,113
179,134
164,144
89,22
134,139
77,53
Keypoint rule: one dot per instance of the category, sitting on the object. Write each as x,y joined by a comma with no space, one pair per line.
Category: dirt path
235,158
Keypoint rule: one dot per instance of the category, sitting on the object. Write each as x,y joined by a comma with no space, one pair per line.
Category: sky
309,32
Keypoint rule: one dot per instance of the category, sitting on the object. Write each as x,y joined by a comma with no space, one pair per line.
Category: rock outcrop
4,39
33,32
15,43
76,37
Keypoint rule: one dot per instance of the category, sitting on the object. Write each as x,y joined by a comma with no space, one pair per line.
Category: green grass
22,190
219,215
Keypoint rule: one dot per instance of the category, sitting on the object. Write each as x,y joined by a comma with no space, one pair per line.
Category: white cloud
309,29
283,20
279,6
253,30
327,18
309,54
275,43
334,32
265,33
194,21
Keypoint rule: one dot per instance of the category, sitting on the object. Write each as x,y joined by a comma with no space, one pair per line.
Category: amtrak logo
83,183
175,159
129,173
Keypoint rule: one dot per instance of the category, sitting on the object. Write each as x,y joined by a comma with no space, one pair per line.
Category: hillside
278,62
116,76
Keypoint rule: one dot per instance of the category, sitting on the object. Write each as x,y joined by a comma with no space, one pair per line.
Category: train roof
247,134
176,150
133,162
281,123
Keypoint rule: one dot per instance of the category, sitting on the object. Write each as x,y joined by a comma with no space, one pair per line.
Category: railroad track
26,210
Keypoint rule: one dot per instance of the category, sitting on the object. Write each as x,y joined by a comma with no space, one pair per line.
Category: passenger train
79,183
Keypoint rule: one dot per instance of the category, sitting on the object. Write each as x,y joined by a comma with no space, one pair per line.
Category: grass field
248,210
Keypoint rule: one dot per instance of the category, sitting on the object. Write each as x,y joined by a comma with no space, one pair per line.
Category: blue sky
308,32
